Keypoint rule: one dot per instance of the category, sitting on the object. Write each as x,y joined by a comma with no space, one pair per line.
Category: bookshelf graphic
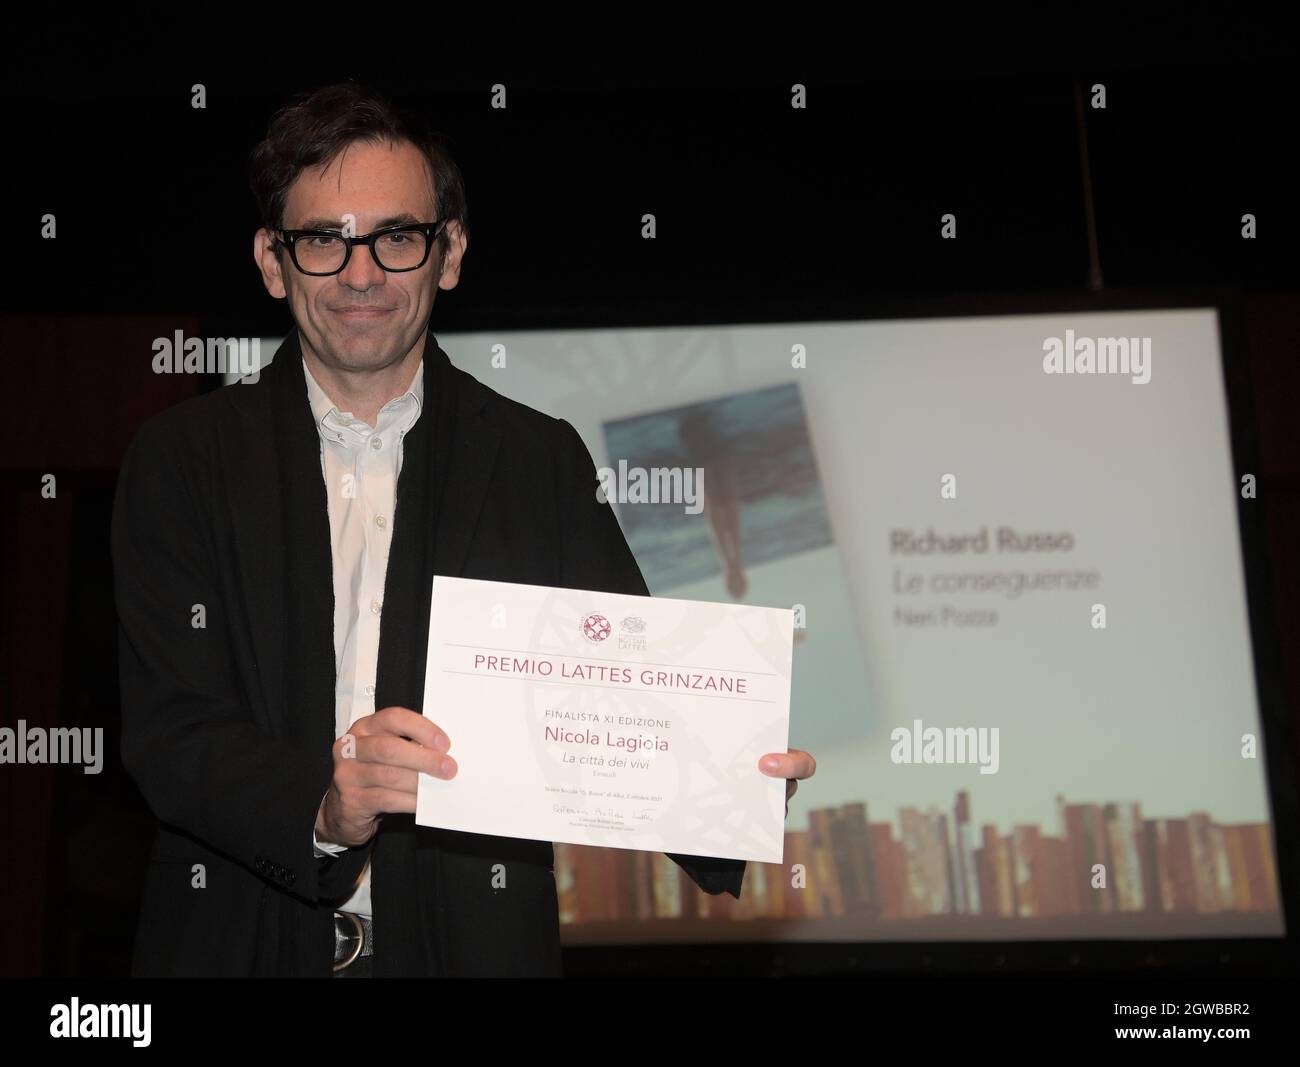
1105,871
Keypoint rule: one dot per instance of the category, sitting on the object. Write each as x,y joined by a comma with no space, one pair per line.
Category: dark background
763,213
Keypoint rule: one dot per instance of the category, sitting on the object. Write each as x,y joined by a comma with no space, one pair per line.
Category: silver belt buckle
347,928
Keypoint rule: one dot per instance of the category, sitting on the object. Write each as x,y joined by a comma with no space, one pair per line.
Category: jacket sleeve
188,736
594,554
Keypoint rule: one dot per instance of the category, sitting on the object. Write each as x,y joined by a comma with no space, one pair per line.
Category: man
274,546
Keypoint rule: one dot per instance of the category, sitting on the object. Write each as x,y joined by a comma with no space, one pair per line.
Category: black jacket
223,571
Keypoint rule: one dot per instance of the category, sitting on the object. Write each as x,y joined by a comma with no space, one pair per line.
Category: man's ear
457,242
267,258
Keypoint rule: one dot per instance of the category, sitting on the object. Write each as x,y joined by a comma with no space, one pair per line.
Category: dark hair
317,125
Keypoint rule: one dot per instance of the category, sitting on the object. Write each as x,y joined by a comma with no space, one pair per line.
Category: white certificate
605,719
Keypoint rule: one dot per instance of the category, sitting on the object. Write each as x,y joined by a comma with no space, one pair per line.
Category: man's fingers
390,801
403,722
796,763
361,807
805,765
387,750
377,767
384,776
403,779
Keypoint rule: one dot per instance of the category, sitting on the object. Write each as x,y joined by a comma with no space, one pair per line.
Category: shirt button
374,607
380,521
370,690
376,443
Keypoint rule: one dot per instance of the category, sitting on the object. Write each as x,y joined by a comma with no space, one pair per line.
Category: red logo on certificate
596,627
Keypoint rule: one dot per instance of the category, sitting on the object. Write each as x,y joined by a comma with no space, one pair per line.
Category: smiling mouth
361,313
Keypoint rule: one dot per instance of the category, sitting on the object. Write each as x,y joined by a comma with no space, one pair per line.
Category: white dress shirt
360,466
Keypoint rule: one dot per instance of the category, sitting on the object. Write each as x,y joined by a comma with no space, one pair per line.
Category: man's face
363,318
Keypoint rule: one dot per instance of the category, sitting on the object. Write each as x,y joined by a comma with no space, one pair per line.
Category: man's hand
376,771
792,766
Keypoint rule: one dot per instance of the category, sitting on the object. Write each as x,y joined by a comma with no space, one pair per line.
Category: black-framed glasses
394,248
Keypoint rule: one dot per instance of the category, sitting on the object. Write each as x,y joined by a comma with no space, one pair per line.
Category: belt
353,938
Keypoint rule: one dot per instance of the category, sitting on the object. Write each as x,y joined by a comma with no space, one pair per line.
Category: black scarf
447,455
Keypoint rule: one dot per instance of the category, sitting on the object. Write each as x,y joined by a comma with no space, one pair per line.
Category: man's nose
362,271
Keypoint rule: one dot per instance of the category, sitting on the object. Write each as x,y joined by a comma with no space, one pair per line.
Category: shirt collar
330,422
